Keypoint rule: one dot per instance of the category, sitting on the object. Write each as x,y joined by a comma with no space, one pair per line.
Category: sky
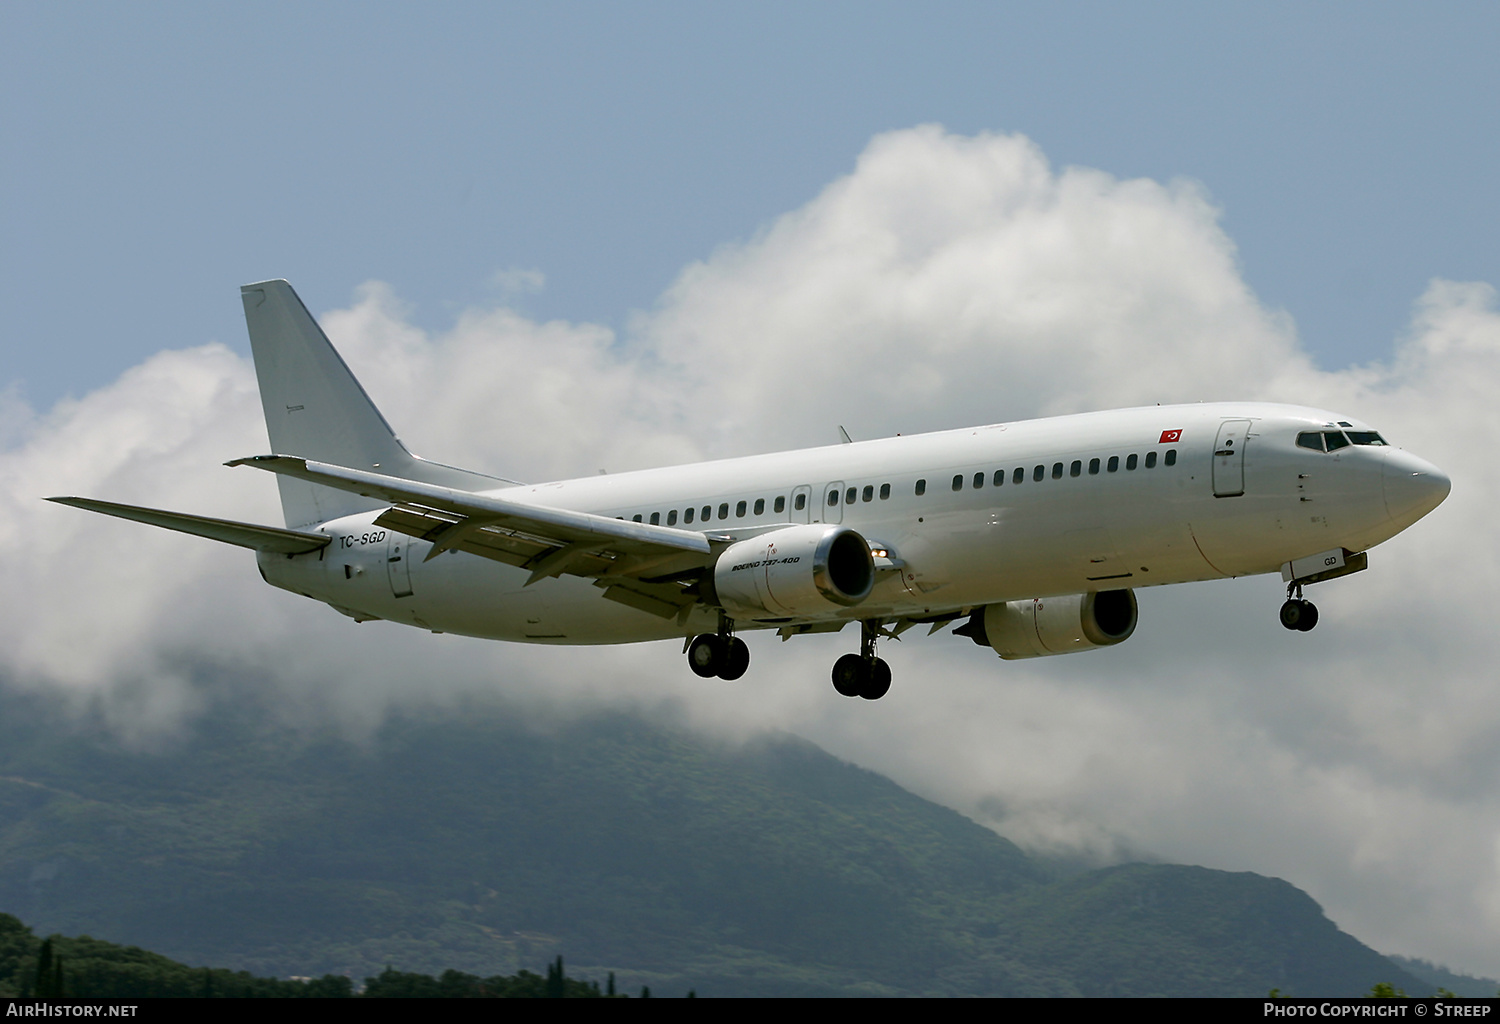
553,239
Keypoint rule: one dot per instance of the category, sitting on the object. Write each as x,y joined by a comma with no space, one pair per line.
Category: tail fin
315,409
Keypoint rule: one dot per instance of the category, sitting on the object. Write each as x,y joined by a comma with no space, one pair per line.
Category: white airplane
1031,535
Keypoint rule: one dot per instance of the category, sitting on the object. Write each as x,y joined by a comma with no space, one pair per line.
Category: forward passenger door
1229,459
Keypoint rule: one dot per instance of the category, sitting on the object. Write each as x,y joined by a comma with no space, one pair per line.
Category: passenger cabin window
921,487
999,477
687,515
800,503
739,510
833,498
1093,467
1057,471
885,491
1076,469
635,518
760,506
707,512
672,518
868,494
1171,458
1150,460
978,480
958,482
1130,461
1018,475
724,510
1038,473
1114,463
780,505
656,519
849,495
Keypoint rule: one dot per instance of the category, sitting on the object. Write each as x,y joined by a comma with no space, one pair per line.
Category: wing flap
553,524
548,541
660,599
226,531
477,537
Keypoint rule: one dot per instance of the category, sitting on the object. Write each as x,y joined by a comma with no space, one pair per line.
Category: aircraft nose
1413,486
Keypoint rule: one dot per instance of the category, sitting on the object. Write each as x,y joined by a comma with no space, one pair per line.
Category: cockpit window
1333,440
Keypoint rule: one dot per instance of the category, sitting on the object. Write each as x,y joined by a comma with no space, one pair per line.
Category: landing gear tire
1299,615
711,654
863,674
850,675
736,659
705,655
879,681
1309,617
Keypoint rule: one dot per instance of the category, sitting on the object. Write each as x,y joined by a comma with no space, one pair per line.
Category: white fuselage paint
1207,516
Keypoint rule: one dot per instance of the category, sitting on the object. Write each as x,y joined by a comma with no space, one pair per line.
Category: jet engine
1053,625
800,570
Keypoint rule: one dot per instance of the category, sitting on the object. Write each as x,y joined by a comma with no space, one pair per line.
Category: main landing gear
719,654
863,674
1296,613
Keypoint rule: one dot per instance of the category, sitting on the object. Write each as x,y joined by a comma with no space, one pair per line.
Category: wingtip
250,460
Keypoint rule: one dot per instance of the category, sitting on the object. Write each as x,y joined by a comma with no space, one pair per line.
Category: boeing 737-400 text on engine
1030,535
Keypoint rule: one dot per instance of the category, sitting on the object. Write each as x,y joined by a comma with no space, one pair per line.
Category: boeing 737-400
1030,536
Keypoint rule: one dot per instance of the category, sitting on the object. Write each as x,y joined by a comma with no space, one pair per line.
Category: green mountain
1434,977
467,839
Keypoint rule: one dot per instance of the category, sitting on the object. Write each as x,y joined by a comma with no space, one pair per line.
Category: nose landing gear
863,674
719,654
1296,613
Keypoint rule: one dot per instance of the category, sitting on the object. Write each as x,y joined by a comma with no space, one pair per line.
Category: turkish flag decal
1170,437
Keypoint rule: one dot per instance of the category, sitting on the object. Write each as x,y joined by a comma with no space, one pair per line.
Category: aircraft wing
644,566
227,531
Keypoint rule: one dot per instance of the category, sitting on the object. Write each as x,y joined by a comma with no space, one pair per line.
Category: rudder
316,409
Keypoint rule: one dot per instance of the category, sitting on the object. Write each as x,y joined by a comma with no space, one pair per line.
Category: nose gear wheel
1298,614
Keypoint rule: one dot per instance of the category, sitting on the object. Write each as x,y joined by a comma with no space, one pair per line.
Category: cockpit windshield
1333,440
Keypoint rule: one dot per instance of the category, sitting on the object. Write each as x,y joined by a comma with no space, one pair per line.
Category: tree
49,973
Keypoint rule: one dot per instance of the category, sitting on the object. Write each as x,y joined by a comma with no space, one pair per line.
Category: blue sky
153,157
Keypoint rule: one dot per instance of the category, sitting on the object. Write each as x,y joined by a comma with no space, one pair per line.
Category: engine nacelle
1054,625
801,570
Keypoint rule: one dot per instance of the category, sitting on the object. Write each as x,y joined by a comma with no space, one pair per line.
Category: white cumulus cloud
946,280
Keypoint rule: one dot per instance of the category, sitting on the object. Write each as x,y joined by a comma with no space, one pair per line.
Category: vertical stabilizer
316,409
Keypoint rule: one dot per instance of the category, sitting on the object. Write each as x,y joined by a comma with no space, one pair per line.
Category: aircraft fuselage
1032,509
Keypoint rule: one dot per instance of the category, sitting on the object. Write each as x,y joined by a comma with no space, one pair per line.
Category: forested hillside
464,839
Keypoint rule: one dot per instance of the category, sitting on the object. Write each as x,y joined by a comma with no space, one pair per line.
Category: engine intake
1054,625
801,570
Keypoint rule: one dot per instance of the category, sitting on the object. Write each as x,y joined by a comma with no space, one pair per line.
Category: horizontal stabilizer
246,535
